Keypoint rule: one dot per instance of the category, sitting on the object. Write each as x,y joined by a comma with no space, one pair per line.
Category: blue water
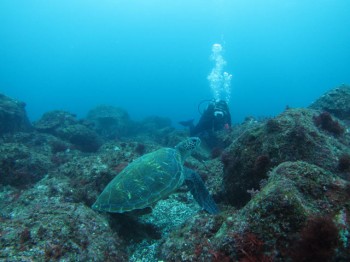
152,57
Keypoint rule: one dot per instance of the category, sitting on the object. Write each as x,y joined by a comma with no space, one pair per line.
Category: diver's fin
200,192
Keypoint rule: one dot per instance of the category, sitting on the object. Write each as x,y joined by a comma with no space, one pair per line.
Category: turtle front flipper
200,192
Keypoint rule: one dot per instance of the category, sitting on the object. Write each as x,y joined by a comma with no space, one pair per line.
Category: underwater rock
193,241
336,102
37,225
21,166
52,120
170,213
267,228
293,191
65,125
291,136
83,138
87,177
13,117
51,147
110,122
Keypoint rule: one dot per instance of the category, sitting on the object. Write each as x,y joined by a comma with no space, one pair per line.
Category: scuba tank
200,105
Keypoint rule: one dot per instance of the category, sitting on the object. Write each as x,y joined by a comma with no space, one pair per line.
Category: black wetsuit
216,117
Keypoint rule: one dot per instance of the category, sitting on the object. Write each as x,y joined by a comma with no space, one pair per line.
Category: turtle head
187,146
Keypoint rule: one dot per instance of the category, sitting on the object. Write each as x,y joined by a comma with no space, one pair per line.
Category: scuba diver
216,117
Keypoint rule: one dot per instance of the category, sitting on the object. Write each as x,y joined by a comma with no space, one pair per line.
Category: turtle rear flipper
200,192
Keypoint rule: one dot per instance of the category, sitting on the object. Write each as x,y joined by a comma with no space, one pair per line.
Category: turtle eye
193,142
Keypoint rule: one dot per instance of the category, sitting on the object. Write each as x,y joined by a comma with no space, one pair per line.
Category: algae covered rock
83,138
336,102
65,125
293,192
293,135
13,117
110,122
43,227
20,166
270,225
50,121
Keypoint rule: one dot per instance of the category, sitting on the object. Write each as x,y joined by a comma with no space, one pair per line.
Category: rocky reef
13,117
282,185
336,101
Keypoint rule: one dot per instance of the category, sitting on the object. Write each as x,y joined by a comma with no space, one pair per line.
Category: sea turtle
152,177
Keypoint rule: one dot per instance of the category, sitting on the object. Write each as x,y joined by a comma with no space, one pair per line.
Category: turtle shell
143,182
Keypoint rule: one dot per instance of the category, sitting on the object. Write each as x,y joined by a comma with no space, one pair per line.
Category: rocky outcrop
110,122
66,126
13,117
300,206
336,101
293,135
